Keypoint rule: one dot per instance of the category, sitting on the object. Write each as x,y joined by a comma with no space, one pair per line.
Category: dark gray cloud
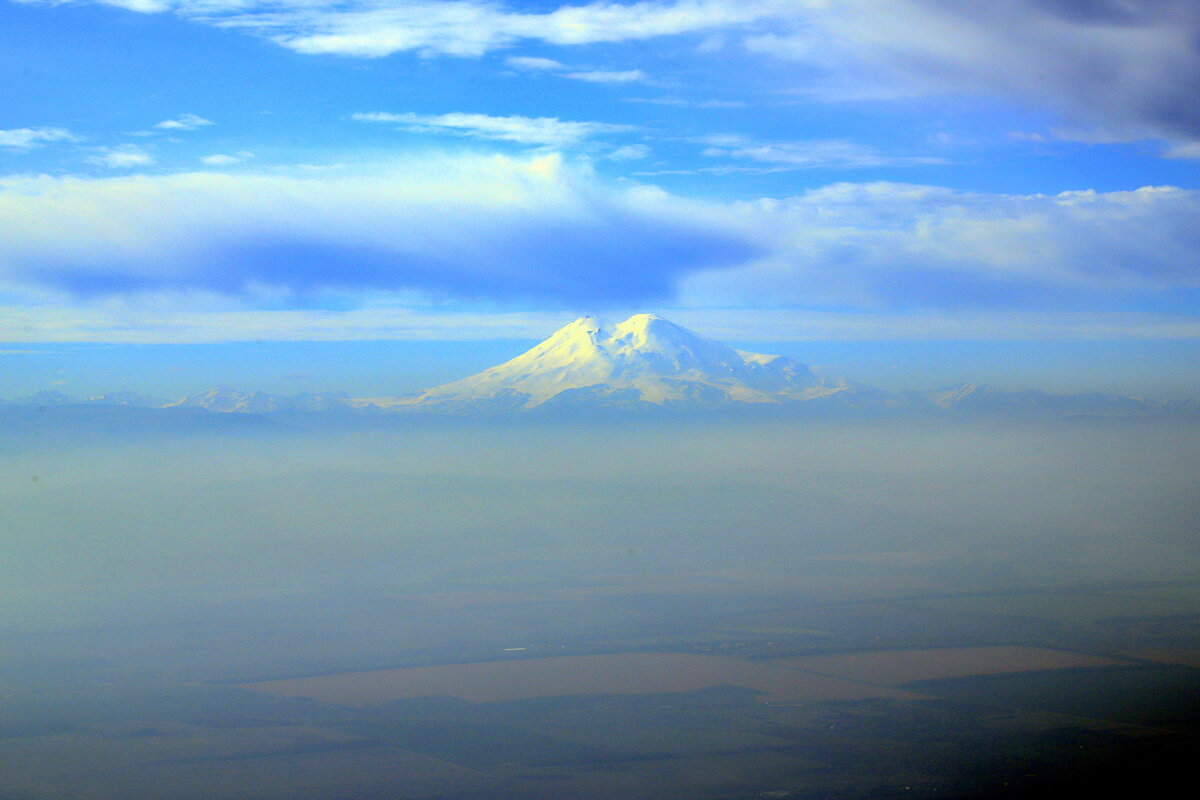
1118,69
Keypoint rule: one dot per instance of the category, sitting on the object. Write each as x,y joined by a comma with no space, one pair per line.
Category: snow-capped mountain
134,399
644,361
49,398
973,398
46,398
226,400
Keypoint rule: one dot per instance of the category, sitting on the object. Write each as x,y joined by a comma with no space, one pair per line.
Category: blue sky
953,183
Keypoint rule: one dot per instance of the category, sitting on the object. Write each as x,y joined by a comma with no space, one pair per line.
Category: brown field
1181,656
625,673
895,667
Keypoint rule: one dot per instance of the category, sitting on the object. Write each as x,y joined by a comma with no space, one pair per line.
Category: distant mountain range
645,363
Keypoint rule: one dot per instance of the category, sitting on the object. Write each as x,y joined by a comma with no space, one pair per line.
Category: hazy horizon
898,495
380,368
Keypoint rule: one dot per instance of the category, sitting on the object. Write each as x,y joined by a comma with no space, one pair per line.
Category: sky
912,192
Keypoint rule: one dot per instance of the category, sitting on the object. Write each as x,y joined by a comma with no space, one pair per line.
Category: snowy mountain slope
645,360
127,398
972,398
226,400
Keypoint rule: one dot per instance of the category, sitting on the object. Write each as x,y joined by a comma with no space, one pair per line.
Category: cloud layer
496,228
29,138
470,227
895,245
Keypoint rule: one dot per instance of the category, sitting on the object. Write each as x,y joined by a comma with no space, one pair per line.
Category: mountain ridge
643,364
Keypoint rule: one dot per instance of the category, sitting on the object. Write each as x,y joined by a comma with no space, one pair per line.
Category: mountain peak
642,320
645,359
586,322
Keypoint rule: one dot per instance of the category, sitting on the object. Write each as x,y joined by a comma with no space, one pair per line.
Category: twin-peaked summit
643,360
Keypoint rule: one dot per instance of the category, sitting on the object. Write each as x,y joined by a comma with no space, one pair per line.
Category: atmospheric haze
218,528
342,458
242,582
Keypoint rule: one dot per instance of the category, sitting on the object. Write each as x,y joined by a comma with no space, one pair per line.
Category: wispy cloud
629,152
608,76
226,159
470,28
534,63
185,323
1187,150
122,157
799,325
838,153
541,131
29,138
184,122
679,102
371,29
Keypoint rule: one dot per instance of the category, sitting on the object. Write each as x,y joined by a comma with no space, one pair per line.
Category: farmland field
729,695
895,667
623,673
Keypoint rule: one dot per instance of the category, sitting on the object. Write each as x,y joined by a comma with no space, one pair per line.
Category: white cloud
629,152
140,6
184,122
590,76
1182,150
29,138
375,28
608,76
475,226
798,325
543,131
530,63
897,244
838,153
464,28
226,159
122,157
679,102
188,320
535,228
534,63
